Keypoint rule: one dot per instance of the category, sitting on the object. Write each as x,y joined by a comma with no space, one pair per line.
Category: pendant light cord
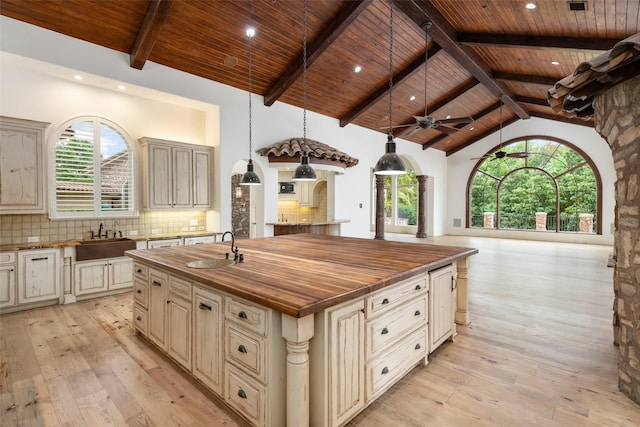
250,77
304,75
390,72
501,104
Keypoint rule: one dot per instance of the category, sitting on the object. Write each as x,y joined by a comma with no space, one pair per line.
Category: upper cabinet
176,175
22,166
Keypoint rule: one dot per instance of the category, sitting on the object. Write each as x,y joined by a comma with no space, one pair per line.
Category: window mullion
97,173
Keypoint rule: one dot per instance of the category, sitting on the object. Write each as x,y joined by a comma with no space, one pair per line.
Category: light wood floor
538,351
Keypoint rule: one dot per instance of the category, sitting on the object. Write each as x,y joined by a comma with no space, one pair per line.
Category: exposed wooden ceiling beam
452,96
443,33
548,42
145,40
526,78
560,118
383,90
316,48
484,134
534,101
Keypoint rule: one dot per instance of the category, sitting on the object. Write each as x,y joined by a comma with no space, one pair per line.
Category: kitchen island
308,329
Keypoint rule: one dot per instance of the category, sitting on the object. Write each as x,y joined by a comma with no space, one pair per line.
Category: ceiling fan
501,154
426,121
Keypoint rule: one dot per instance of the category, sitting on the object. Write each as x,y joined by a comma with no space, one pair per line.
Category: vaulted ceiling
478,52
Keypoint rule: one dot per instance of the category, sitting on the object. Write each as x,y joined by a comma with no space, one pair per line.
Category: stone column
487,220
541,221
379,207
617,119
422,204
586,223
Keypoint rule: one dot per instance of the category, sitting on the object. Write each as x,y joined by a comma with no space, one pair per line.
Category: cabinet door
182,175
157,307
207,336
92,276
441,306
120,273
179,334
38,275
160,185
346,359
7,285
201,179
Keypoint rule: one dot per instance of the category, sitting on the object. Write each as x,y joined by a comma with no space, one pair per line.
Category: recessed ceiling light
121,87
448,117
471,128
412,98
530,6
357,69
251,32
555,63
77,77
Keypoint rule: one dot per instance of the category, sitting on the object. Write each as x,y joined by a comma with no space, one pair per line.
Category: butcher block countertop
301,274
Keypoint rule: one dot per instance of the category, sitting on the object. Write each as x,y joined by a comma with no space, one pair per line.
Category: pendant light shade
250,177
304,172
390,163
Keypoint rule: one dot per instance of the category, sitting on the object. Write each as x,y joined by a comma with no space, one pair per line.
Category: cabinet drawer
248,315
391,366
394,325
246,350
7,257
141,293
140,317
180,287
245,395
140,271
383,300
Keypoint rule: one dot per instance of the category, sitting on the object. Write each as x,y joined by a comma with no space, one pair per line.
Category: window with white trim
93,171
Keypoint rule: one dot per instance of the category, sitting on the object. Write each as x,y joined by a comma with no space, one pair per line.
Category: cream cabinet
442,306
176,175
199,240
22,166
164,243
39,274
208,318
158,285
104,275
7,279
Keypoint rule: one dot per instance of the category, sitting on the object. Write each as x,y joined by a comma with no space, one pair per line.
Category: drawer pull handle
139,291
242,315
242,349
385,331
139,318
417,347
204,306
156,283
385,370
44,258
418,287
242,394
417,313
362,309
385,301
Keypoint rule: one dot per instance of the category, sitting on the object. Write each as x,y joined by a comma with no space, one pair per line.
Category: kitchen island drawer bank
308,329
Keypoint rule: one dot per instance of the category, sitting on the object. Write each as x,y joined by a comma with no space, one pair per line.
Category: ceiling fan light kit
390,163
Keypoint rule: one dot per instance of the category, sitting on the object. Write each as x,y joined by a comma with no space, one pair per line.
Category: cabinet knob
385,301
362,310
242,394
417,313
384,331
417,347
242,349
168,302
242,315
139,270
418,287
204,306
139,318
385,370
139,291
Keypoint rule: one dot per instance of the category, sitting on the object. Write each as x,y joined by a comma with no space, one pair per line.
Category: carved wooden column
379,207
422,204
462,312
297,332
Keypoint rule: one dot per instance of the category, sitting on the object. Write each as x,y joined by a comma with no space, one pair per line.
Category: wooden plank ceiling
479,52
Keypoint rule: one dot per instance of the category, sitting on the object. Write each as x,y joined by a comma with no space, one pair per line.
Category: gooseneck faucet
234,248
100,231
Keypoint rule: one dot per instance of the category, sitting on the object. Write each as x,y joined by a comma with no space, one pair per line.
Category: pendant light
390,163
304,172
250,177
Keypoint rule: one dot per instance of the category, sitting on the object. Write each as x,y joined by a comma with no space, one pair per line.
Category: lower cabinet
207,336
103,275
7,279
442,306
38,276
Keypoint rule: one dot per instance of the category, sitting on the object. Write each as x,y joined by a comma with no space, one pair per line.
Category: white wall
170,104
460,166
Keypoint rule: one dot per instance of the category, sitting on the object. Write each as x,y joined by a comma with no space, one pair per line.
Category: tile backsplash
17,229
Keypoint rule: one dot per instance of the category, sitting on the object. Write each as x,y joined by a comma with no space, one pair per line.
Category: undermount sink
103,248
210,263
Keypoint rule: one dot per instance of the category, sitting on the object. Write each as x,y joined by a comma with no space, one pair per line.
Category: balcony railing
528,222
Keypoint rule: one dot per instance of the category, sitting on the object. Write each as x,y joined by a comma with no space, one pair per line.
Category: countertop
285,223
300,274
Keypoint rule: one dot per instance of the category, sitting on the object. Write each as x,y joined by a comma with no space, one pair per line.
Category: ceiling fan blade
398,126
483,157
445,129
518,155
412,131
466,120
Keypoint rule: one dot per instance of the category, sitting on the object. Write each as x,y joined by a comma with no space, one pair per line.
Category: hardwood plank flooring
538,352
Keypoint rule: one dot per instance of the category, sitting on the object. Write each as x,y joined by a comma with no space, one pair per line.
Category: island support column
462,311
297,332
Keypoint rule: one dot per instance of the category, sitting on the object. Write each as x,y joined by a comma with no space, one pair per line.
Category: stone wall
240,208
617,119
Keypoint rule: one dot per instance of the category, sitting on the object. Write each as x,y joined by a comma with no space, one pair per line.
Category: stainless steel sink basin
210,263
103,248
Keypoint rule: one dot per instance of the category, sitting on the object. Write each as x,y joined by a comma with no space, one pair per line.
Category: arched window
93,173
535,183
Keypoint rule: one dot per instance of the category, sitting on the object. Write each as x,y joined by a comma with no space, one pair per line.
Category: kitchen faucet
100,231
237,257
